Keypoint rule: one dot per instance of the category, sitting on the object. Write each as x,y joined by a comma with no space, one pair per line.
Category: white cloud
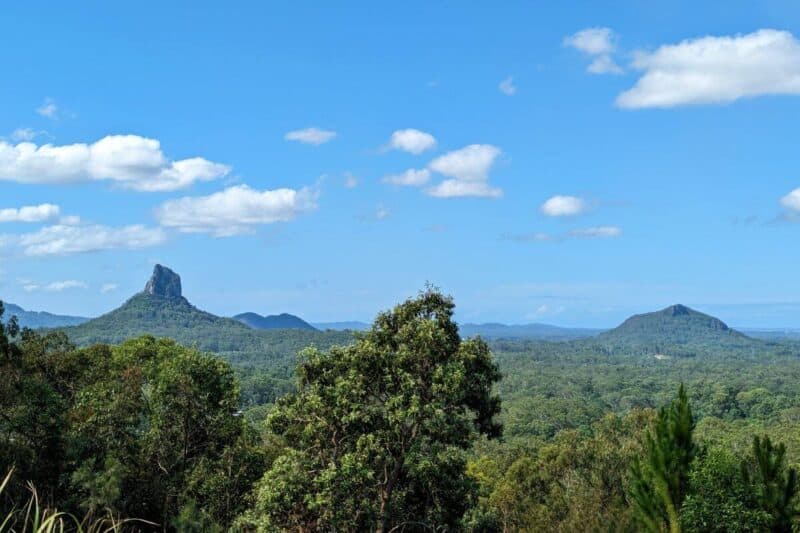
24,134
315,136
530,237
597,232
70,220
48,109
63,239
30,213
108,287
604,65
350,181
468,169
412,141
716,70
598,43
507,86
792,200
562,206
134,162
382,213
411,177
56,286
235,210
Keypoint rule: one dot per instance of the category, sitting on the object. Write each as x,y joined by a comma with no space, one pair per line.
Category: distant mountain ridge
281,321
676,325
494,330
40,319
352,325
161,310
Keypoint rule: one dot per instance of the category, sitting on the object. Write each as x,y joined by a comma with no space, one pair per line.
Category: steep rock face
164,282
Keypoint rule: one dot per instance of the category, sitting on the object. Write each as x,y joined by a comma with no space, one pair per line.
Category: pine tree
774,485
660,481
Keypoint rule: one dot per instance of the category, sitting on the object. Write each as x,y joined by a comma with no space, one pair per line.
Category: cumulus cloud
468,170
713,70
411,178
792,201
599,43
56,286
132,161
507,86
315,136
48,109
65,239
30,213
562,206
235,210
597,232
412,141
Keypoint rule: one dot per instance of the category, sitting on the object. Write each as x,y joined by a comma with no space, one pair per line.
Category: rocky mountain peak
677,310
164,282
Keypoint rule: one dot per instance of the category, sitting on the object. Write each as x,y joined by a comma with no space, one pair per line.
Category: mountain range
162,310
41,319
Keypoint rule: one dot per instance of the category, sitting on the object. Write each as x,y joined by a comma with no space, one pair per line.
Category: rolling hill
676,325
282,321
40,319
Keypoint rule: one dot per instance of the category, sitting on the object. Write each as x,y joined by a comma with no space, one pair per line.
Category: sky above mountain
541,162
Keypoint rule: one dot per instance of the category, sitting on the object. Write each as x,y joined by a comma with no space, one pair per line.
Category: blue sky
571,164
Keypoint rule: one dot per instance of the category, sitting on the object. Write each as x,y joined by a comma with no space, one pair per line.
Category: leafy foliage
377,430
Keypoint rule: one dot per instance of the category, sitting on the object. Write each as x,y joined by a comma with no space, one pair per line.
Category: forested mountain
41,319
161,310
675,325
281,321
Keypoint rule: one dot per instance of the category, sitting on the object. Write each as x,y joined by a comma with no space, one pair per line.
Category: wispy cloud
55,286
410,178
108,287
314,136
48,109
507,86
595,232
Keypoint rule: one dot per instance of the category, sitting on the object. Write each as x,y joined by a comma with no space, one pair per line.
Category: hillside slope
41,319
675,325
282,321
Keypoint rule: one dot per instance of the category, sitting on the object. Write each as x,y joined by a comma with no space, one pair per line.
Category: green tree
660,482
774,485
378,430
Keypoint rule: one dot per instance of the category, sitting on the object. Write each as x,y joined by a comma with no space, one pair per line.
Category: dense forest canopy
398,426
